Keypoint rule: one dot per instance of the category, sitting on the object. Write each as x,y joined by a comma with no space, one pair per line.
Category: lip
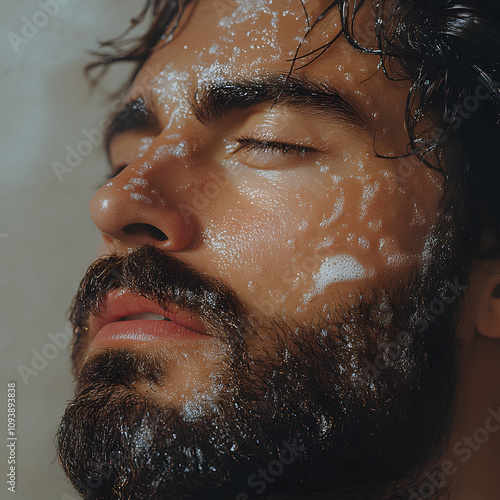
107,328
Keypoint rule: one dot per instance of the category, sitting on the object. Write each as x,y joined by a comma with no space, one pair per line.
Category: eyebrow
213,101
300,93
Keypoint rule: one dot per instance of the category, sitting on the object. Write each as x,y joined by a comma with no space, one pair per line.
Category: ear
487,319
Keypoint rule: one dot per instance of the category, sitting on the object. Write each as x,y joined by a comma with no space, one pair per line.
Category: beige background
46,237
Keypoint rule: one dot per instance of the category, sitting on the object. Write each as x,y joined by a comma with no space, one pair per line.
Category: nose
138,207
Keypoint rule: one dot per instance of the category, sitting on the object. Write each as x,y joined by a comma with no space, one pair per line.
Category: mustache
165,280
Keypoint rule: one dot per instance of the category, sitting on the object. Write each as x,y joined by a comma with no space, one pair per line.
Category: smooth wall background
47,239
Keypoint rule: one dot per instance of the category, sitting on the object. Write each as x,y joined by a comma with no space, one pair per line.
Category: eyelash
251,144
113,174
275,147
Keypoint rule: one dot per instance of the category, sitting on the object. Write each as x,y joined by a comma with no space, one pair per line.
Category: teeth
146,315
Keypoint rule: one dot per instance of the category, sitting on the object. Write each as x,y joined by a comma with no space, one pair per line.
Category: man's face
293,232
270,189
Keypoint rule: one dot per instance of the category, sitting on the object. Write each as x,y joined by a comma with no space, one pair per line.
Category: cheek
375,231
281,244
381,221
255,232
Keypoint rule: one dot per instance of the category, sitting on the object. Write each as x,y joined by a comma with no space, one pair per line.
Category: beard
351,406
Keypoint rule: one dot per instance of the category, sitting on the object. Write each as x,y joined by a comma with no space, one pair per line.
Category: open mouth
127,318
145,316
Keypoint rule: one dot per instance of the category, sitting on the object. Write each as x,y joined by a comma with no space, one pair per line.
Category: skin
278,218
267,232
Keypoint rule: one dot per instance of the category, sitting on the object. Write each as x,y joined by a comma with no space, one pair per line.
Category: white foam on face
369,193
326,242
383,311
390,250
170,85
197,406
264,20
215,73
170,88
364,242
418,216
145,144
134,182
248,10
338,210
375,225
302,225
180,150
142,436
336,269
431,242
141,197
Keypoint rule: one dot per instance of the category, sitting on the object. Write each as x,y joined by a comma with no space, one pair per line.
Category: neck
470,466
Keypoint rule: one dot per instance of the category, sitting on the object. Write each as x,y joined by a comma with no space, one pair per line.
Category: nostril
145,229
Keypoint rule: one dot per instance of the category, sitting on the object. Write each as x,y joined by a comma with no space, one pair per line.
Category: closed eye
248,144
111,175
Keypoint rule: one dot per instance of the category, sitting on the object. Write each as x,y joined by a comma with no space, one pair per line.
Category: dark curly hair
448,50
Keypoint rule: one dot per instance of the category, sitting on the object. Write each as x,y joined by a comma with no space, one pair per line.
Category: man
299,293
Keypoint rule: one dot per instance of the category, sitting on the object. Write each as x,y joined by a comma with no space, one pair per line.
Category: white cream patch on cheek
327,242
375,225
377,242
337,211
364,243
340,268
369,193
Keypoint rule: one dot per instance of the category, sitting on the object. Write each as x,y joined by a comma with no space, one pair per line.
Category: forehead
226,40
